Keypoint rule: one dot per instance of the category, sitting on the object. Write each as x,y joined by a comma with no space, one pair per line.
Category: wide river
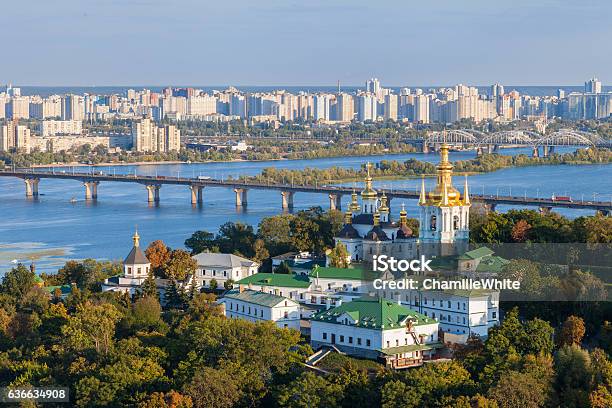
54,229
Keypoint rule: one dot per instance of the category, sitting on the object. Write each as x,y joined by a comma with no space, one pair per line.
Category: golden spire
354,206
403,214
384,208
444,192
136,238
422,199
368,192
466,194
376,219
444,195
348,217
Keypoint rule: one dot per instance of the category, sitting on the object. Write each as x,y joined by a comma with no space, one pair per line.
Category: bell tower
444,212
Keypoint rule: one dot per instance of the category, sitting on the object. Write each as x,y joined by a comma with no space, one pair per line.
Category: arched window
432,223
456,222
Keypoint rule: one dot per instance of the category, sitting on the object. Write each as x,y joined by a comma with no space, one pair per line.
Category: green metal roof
374,313
492,264
343,273
65,289
477,253
256,297
411,347
277,279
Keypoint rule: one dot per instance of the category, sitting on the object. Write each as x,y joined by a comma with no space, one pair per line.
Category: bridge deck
324,189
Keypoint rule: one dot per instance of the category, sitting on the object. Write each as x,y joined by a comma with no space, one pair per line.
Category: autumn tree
159,255
180,266
572,332
339,256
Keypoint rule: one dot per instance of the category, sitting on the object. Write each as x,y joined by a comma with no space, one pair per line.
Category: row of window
341,339
252,311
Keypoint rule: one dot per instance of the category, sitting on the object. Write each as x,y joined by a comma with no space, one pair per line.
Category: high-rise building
497,90
147,137
593,85
14,136
366,107
391,107
18,107
345,108
73,107
321,107
421,109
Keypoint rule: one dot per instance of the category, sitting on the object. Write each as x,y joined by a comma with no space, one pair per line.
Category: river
52,230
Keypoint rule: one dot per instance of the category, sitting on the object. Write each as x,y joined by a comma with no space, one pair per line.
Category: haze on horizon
315,42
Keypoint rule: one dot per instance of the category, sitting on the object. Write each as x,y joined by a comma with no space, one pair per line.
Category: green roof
343,273
411,347
38,279
255,297
277,279
492,264
65,289
374,313
477,253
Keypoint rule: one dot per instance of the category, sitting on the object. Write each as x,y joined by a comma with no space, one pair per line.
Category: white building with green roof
257,306
377,328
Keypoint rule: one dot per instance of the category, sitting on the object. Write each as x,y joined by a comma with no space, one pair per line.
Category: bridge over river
196,186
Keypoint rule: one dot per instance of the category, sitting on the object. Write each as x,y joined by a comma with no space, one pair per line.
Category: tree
573,368
213,284
172,296
310,390
92,326
572,332
180,266
171,399
201,241
518,390
146,312
275,231
520,231
159,255
339,256
283,268
203,306
149,286
261,253
228,284
213,388
17,282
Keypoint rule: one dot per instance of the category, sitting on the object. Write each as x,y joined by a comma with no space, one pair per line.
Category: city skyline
309,44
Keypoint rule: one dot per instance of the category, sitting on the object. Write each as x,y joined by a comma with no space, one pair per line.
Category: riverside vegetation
111,350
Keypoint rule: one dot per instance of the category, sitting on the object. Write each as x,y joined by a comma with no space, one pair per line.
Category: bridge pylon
287,197
91,190
153,193
31,184
335,202
196,194
241,197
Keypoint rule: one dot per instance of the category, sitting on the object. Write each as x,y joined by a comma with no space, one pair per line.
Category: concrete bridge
153,184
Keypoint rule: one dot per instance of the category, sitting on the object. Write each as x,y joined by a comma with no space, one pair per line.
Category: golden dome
354,206
444,193
368,192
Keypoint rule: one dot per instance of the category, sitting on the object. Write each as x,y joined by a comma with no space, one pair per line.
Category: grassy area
335,362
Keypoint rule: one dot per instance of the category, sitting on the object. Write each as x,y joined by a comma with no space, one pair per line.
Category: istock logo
383,263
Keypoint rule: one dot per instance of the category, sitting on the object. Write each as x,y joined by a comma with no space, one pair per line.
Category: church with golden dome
443,220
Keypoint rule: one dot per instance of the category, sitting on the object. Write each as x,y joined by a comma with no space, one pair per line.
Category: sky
307,42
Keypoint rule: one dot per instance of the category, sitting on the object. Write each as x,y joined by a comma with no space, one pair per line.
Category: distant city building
593,85
61,127
148,137
14,136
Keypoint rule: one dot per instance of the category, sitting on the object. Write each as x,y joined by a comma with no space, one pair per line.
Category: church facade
443,221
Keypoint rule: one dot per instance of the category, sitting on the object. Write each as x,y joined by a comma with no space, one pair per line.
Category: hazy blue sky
307,42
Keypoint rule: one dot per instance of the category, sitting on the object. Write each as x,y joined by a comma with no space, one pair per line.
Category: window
129,271
388,344
341,339
449,318
286,315
463,319
368,342
350,340
456,222
324,336
449,305
249,309
261,313
458,305
359,341
464,306
433,315
225,273
138,270
285,303
242,308
494,315
425,300
396,342
432,223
